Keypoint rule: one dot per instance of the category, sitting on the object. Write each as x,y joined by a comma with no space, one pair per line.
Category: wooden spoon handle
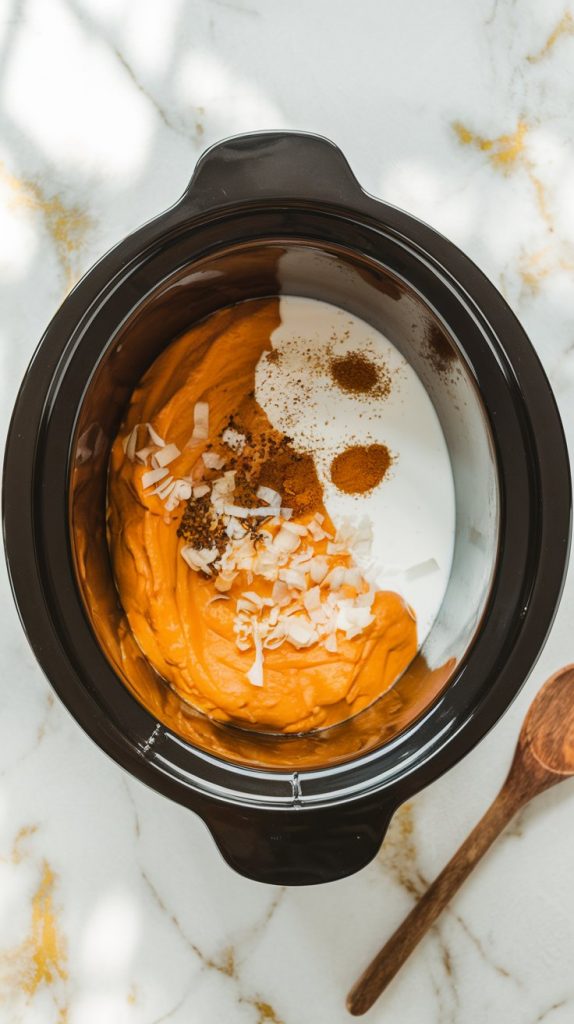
399,947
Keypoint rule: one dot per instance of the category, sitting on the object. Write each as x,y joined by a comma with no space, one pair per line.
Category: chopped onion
286,513
200,422
153,476
217,597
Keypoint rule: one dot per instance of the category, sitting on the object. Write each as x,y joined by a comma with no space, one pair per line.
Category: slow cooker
279,213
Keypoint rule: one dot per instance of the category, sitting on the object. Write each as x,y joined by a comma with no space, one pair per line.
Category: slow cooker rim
132,247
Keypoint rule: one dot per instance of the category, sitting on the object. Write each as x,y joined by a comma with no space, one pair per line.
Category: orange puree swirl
187,637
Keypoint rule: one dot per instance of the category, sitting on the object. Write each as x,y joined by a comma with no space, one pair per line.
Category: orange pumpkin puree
188,638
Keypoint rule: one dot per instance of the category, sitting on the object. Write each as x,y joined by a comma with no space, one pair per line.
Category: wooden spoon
544,756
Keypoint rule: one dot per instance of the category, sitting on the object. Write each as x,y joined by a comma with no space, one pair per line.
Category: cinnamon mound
360,468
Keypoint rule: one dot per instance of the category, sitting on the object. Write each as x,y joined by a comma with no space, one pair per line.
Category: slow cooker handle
271,165
305,846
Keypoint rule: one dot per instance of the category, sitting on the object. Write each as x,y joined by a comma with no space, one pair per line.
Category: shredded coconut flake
132,444
269,495
233,439
165,488
255,674
144,454
153,476
155,436
200,422
166,455
422,569
213,461
200,490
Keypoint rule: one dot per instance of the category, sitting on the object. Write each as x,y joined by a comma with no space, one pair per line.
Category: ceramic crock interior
366,288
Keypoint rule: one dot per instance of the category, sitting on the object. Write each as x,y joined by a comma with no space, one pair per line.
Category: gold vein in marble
43,724
399,854
66,224
507,153
40,959
159,109
549,1010
503,151
565,27
21,836
225,964
265,1012
535,267
480,948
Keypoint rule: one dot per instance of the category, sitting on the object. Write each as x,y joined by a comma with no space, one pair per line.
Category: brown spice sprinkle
293,474
360,468
356,374
439,350
268,458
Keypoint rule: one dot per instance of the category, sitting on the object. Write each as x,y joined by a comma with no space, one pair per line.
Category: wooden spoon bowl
544,756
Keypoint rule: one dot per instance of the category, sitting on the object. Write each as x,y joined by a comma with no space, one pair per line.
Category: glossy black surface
283,212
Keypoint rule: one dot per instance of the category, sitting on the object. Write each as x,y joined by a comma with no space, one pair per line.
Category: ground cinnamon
439,350
294,476
358,375
360,468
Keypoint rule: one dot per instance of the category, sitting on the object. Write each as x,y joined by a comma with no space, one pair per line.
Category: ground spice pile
268,459
439,350
358,375
360,467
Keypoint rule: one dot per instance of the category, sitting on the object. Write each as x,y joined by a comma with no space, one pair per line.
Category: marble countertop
114,903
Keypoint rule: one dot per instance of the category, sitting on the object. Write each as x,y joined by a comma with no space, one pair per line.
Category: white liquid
412,511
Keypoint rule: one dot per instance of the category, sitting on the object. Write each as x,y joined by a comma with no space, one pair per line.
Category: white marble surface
105,106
